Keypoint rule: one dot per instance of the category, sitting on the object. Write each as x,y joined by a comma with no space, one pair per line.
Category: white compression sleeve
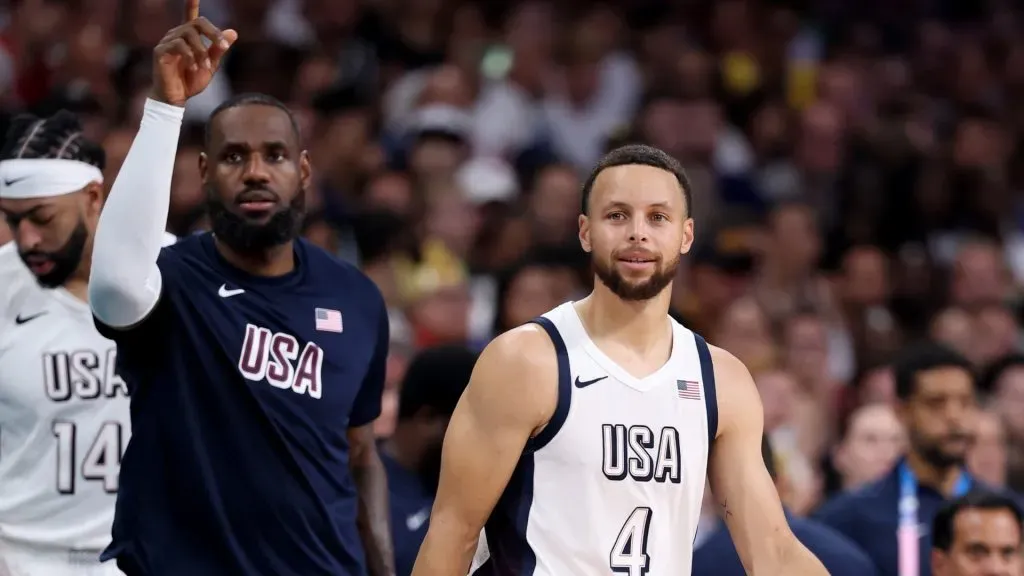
125,282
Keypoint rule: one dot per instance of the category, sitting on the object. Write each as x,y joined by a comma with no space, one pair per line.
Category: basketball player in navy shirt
255,361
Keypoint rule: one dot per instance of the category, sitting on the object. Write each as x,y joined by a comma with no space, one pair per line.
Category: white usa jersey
614,483
64,419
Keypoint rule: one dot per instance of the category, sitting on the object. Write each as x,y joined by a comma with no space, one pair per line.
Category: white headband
26,178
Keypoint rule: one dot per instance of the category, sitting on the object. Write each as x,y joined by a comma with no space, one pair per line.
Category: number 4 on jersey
102,462
629,553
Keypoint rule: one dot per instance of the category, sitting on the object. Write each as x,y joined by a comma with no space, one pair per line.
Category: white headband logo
26,178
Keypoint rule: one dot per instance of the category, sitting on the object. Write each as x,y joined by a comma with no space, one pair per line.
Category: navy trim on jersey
564,388
510,553
707,377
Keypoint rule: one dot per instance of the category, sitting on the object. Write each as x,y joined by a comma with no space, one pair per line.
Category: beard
245,236
935,454
636,291
66,259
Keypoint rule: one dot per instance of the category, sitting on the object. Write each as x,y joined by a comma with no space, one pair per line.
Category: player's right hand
182,64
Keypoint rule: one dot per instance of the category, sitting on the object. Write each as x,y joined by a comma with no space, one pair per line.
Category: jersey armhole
707,378
564,388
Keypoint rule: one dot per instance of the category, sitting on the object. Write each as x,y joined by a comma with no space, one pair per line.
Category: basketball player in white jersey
63,409
582,443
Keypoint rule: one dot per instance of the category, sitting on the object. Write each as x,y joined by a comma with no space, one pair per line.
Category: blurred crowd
856,170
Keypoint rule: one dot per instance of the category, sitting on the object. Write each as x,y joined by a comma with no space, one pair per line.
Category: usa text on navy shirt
243,389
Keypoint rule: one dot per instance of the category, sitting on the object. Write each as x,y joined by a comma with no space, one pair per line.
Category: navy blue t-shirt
841,557
410,503
242,390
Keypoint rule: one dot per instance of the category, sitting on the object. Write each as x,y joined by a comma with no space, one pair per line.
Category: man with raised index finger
255,361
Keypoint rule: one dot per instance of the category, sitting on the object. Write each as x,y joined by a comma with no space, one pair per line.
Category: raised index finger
191,10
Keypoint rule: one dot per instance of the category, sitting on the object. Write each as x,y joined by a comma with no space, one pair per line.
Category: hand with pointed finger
187,57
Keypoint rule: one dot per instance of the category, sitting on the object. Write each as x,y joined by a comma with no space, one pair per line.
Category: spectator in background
978,534
718,557
873,442
986,460
935,386
1004,381
428,394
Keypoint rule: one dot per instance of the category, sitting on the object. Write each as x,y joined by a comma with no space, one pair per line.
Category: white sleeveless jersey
64,420
614,483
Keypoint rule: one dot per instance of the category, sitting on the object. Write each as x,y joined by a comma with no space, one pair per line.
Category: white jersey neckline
578,332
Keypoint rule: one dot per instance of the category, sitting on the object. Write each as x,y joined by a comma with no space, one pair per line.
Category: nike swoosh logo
225,293
19,320
14,181
417,520
585,383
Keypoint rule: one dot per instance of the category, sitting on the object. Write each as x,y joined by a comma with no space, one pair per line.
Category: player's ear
93,196
687,236
584,232
203,165
305,170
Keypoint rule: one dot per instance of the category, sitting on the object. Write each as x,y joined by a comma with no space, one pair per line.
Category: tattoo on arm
726,513
372,520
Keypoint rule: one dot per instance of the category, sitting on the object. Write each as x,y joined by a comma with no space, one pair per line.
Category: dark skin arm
372,488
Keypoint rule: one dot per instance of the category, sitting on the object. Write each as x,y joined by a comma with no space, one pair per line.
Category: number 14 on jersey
629,552
101,462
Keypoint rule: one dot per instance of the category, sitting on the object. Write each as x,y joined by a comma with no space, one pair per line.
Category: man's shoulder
717,556
854,502
831,546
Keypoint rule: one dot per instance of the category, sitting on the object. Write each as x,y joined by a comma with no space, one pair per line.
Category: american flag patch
688,389
328,320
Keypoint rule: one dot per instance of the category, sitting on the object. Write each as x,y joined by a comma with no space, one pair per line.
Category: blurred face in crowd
939,415
744,330
820,146
435,158
391,191
453,220
532,292
779,391
996,333
554,199
878,386
979,276
53,234
636,228
954,327
865,276
873,442
807,348
1009,400
255,175
796,244
986,542
442,315
987,458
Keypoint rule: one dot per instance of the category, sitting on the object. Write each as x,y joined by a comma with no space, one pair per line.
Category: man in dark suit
718,557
